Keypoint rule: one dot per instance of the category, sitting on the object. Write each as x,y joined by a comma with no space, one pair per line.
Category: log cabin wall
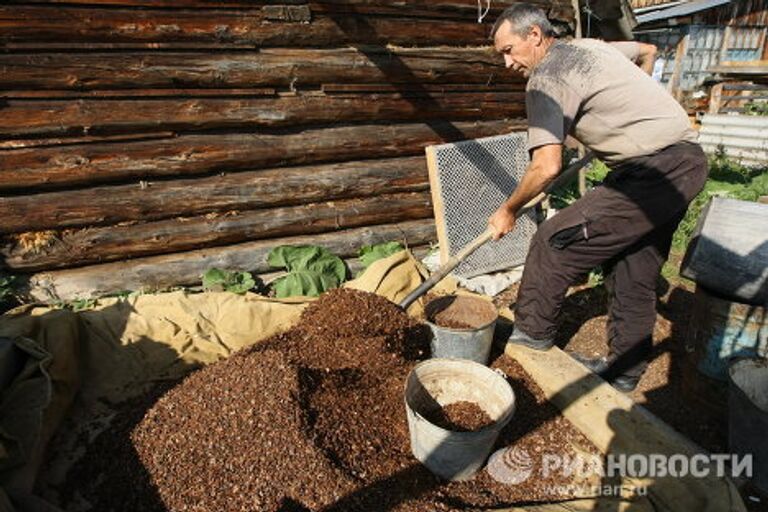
144,141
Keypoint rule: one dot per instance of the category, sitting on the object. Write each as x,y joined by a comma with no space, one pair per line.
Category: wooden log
729,249
22,117
464,9
7,145
138,93
246,190
352,90
162,272
70,248
91,164
225,28
278,67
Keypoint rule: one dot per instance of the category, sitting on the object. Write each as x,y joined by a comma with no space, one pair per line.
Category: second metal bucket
462,327
436,383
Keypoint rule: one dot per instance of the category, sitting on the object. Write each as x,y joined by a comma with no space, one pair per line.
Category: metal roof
680,10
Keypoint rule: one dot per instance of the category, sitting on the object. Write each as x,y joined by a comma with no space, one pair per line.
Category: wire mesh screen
470,179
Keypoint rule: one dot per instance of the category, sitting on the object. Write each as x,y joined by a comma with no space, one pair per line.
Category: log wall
142,141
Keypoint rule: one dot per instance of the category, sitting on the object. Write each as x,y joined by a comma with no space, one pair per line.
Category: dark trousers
626,225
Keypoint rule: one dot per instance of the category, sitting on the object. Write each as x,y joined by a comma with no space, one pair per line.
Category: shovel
487,235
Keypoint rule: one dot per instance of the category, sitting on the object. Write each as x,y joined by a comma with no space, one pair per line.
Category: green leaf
240,282
311,270
307,257
82,304
370,253
216,279
304,282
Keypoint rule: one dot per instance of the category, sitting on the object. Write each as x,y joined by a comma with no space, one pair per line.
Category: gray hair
522,17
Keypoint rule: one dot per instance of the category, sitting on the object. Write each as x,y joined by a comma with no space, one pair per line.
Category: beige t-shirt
592,90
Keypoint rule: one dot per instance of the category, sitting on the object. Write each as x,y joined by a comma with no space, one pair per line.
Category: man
593,91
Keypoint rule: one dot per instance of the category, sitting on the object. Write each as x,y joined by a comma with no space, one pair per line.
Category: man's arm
646,57
544,167
642,54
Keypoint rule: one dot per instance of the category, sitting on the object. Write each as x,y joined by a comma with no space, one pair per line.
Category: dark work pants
626,225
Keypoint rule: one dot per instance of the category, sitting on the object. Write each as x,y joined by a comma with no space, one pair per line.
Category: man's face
521,54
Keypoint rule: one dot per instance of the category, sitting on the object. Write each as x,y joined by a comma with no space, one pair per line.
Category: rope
480,14
590,14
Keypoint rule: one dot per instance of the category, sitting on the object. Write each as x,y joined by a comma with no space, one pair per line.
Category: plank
437,201
162,272
615,424
50,250
188,155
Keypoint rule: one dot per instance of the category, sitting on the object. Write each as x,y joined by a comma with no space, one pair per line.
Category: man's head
522,34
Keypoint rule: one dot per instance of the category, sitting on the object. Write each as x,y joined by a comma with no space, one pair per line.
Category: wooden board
438,207
617,425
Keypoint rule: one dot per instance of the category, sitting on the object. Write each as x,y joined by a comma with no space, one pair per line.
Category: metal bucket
438,382
748,415
472,342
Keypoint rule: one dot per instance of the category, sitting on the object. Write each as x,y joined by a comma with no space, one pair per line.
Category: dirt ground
665,387
310,419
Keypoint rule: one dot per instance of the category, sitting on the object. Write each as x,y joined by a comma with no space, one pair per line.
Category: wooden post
715,98
674,81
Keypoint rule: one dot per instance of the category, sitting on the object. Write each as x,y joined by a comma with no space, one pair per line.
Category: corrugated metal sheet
741,137
680,10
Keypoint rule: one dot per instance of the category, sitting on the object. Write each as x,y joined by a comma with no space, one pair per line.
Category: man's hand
545,165
647,57
502,221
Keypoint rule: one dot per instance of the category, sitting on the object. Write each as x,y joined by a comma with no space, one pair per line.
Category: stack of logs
144,141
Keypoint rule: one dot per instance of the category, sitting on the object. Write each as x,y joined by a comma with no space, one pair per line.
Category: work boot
518,337
625,383
601,366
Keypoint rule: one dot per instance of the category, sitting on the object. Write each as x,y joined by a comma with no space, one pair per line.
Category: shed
695,36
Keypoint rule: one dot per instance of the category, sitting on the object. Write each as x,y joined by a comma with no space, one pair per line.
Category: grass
727,178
